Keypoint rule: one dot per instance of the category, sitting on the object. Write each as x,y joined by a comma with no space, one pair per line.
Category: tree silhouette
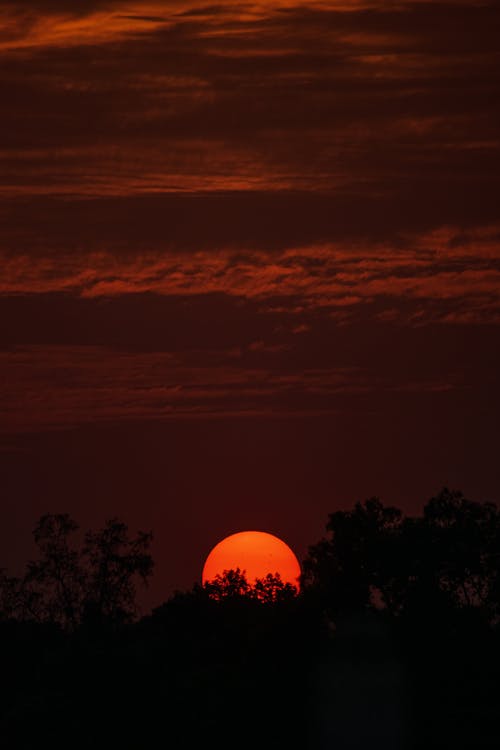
272,589
375,557
113,562
57,577
228,585
356,562
68,585
392,640
463,550
231,584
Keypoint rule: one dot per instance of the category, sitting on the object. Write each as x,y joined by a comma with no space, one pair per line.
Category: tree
463,550
428,566
232,584
272,589
356,562
56,580
229,584
18,600
113,562
69,584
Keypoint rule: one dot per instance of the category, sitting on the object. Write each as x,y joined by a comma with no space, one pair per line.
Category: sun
255,552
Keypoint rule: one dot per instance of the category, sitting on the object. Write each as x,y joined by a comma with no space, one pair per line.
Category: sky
250,265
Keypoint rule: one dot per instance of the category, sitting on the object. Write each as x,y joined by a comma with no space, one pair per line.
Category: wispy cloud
60,387
447,266
250,181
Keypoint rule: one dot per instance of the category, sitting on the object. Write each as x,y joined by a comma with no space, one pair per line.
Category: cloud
297,191
63,386
263,127
60,387
447,266
380,100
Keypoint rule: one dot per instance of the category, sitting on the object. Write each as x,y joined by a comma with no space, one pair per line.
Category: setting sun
255,552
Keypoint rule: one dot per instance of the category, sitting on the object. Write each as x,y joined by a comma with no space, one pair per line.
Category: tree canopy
70,584
374,556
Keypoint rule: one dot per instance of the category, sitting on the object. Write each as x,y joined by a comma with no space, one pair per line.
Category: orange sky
217,217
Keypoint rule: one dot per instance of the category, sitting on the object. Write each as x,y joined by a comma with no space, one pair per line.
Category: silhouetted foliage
68,585
463,548
393,641
375,557
113,561
228,585
272,589
233,583
359,557
56,581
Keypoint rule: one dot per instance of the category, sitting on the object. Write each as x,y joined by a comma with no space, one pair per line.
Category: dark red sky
250,263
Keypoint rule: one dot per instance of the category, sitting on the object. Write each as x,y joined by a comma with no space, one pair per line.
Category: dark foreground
242,674
394,642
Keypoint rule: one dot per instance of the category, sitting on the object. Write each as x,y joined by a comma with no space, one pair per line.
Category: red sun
255,552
